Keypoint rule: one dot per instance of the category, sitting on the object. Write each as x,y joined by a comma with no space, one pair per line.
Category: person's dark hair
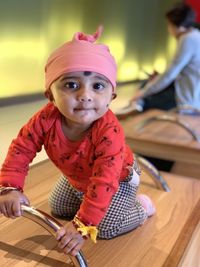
181,15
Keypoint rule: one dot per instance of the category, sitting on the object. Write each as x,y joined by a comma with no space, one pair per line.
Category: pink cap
81,54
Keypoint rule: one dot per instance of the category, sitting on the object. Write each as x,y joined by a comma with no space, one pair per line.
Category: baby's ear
114,95
49,95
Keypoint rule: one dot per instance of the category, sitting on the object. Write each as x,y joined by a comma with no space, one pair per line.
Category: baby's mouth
83,108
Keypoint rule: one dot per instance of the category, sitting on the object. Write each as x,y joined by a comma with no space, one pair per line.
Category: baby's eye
71,85
98,86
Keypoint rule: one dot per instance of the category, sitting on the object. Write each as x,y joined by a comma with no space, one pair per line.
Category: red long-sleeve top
94,165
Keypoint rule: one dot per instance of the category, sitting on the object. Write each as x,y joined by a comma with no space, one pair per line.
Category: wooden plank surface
163,134
166,140
191,255
24,243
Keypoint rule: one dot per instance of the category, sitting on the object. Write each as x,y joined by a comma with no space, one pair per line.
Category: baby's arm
15,167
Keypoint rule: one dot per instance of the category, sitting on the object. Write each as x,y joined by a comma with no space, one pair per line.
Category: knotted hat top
81,54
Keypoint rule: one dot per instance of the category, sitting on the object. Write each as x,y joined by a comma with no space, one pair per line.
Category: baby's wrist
6,188
76,226
85,230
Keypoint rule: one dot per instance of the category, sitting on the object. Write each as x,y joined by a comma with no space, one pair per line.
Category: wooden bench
164,240
166,140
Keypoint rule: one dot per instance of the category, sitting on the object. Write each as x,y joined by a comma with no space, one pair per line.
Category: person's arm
15,167
13,172
22,151
110,161
181,59
105,179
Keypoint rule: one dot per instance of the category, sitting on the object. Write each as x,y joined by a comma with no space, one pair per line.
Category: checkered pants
124,214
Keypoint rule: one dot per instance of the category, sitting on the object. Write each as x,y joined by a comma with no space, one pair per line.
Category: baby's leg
64,200
126,212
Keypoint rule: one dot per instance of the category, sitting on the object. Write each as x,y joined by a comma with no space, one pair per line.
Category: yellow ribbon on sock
90,231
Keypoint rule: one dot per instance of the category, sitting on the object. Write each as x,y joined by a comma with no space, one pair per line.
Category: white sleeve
182,57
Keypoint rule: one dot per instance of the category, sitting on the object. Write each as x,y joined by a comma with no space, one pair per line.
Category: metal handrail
169,118
51,225
154,173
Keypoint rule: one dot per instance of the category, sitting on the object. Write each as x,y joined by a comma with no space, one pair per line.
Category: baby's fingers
4,211
76,248
16,209
62,237
60,233
73,246
24,200
65,242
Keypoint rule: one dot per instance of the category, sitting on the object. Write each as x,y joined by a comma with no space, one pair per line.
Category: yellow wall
135,30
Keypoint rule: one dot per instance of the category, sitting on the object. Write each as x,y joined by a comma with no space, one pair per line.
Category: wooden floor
164,239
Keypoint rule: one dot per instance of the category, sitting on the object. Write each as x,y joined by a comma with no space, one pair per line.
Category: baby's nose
85,99
84,96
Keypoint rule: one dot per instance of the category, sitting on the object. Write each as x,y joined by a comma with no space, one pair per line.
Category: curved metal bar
51,225
169,118
187,110
154,173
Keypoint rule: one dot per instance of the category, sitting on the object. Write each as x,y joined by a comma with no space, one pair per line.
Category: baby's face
82,97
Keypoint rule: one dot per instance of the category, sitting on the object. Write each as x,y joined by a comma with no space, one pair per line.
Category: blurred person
180,83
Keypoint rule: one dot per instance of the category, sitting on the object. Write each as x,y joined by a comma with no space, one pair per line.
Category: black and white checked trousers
124,214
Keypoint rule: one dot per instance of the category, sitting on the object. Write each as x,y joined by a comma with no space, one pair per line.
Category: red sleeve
23,149
109,154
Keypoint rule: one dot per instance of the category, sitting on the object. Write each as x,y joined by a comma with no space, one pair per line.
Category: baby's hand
69,239
10,204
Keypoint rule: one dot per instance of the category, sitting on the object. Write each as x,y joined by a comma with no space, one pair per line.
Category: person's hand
138,95
10,204
69,239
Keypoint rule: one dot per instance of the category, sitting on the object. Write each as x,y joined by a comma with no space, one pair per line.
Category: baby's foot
147,204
